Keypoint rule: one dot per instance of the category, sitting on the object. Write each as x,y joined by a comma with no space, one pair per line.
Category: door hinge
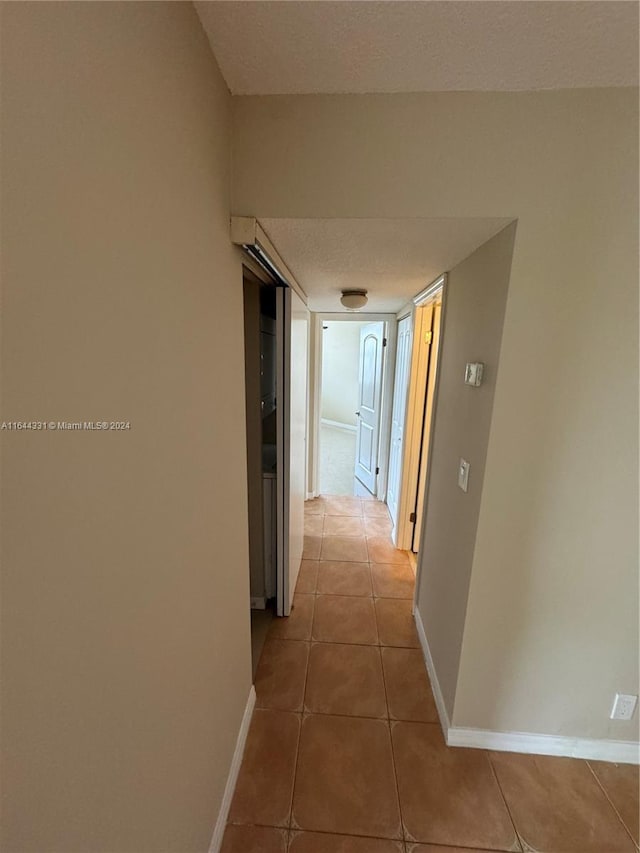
412,518
377,470
428,337
384,342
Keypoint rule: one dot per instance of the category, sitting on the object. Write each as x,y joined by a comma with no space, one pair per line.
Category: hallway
345,753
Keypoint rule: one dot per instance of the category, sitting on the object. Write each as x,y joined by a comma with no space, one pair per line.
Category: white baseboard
435,684
232,778
338,425
617,751
258,603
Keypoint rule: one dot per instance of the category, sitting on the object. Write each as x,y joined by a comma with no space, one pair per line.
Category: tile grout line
393,754
519,838
295,769
289,830
610,801
304,696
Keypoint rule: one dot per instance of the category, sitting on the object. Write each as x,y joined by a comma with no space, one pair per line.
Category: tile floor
345,753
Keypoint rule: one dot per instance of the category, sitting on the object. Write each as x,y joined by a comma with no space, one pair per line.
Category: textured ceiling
324,46
391,258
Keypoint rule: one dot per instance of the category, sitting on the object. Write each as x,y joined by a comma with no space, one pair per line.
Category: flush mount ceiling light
354,299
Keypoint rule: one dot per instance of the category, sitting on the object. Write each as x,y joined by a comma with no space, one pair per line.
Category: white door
292,332
398,417
371,352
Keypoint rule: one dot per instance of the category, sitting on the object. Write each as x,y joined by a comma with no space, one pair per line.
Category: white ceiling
330,46
391,258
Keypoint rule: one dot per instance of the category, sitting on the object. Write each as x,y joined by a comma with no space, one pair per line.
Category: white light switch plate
624,705
463,474
473,373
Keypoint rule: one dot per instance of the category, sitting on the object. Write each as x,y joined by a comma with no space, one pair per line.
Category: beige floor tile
342,506
281,675
336,577
254,839
311,547
392,580
377,526
307,577
409,693
343,525
265,782
448,796
316,842
396,626
557,804
351,548
315,506
313,525
345,780
297,626
375,509
620,783
382,550
345,679
344,619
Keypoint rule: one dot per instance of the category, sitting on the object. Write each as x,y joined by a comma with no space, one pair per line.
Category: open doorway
351,400
260,400
415,385
338,406
276,329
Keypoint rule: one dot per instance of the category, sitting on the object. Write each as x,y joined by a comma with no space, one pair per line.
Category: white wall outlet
624,706
473,373
463,474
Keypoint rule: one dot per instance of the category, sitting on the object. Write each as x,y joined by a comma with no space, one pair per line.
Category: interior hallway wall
553,606
125,600
476,297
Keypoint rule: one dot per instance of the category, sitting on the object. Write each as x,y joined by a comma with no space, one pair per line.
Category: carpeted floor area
337,460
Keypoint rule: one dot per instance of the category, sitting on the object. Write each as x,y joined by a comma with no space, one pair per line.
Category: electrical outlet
624,706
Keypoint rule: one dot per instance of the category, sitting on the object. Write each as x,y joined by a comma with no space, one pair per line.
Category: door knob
358,414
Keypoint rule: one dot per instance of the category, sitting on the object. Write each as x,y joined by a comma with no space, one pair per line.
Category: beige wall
475,304
552,611
340,371
125,625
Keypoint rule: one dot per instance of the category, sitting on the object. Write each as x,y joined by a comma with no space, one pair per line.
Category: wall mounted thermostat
473,373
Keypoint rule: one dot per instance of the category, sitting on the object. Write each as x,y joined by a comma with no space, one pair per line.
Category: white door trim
388,364
399,415
434,412
403,532
296,428
283,332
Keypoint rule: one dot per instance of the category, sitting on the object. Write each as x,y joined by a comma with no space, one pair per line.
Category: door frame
403,534
400,389
315,395
261,257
